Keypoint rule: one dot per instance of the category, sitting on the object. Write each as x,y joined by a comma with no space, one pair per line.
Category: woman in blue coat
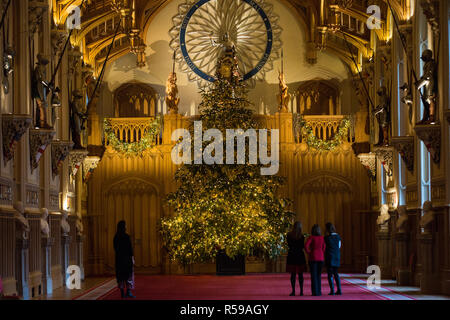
333,257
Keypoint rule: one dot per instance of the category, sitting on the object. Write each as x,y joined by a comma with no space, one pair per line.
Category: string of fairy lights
137,148
310,138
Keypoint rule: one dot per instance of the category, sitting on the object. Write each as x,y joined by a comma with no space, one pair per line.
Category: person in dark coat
296,262
124,260
333,257
315,248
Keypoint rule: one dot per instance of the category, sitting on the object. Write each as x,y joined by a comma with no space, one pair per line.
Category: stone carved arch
327,179
142,184
325,184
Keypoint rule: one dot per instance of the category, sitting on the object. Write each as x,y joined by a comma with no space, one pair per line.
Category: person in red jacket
315,248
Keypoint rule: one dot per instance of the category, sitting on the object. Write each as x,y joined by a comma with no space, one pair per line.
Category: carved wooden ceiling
338,26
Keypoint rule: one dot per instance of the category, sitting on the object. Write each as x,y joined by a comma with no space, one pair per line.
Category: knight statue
428,81
381,112
40,90
77,119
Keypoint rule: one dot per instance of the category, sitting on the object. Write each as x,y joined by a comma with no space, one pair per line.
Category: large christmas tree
230,207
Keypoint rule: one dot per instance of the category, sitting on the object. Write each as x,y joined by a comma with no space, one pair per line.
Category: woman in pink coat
315,248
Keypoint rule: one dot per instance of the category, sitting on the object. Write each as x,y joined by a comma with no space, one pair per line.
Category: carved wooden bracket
91,161
60,150
39,140
368,160
385,154
430,134
431,12
76,158
405,146
13,128
89,165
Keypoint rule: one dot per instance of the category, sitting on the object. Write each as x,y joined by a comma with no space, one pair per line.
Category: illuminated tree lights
225,207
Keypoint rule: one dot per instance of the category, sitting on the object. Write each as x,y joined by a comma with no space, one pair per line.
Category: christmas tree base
227,266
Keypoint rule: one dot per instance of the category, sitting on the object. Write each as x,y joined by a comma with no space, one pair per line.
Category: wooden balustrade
131,129
324,127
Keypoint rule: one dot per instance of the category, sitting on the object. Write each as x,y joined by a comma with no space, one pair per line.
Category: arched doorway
327,198
138,203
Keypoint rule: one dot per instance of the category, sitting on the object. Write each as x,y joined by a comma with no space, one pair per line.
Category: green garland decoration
323,145
133,148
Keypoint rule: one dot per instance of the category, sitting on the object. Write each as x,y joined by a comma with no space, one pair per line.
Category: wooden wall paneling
146,240
111,218
137,235
153,216
346,212
55,233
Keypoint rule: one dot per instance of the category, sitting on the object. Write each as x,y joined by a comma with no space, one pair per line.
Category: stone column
65,242
22,267
80,240
46,265
403,272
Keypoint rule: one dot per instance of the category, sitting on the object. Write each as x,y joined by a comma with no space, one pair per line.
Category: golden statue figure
172,98
283,95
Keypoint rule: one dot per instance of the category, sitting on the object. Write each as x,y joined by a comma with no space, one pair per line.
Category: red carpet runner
248,287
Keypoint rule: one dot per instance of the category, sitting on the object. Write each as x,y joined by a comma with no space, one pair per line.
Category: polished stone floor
64,293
